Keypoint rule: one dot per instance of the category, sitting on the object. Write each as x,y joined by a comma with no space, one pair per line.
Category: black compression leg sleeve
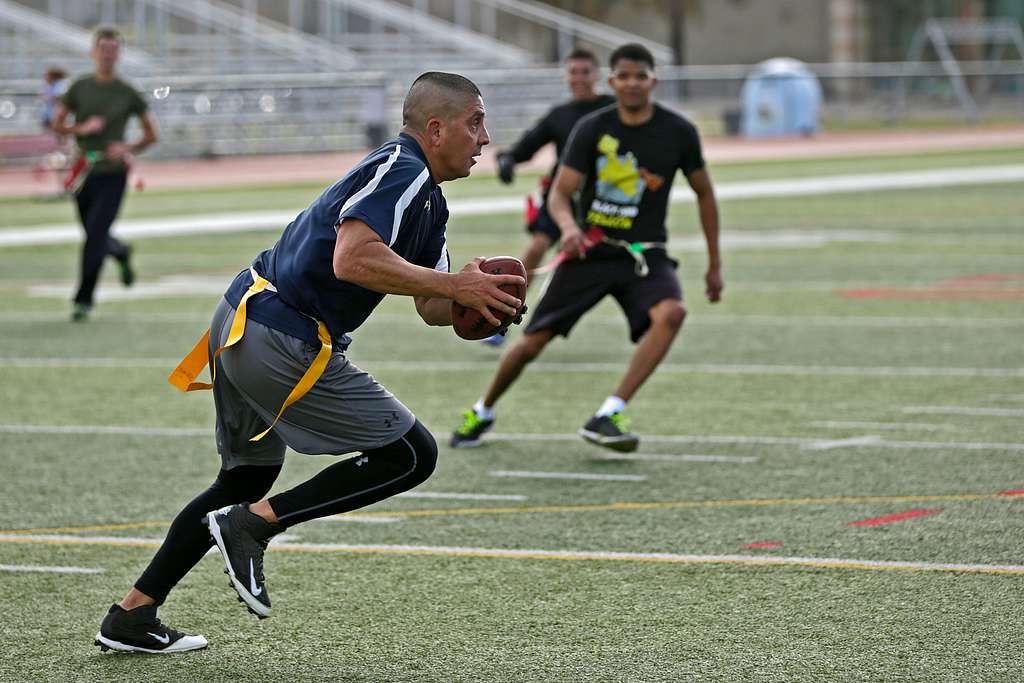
188,539
357,482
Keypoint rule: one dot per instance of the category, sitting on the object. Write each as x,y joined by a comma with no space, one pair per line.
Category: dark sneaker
139,630
468,434
80,313
610,431
127,272
242,538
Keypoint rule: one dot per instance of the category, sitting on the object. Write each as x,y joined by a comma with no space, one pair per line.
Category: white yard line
48,570
534,437
488,365
439,495
678,457
579,555
769,441
852,424
611,320
828,445
964,410
522,474
360,520
790,187
106,429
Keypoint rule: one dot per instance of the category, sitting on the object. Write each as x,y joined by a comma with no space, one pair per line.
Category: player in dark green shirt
102,105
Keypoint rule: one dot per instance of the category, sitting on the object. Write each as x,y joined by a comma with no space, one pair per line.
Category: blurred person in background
55,82
581,73
102,104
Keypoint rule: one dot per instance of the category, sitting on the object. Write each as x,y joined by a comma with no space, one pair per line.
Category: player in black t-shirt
624,158
581,73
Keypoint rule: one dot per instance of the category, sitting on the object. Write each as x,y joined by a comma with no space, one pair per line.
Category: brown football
468,323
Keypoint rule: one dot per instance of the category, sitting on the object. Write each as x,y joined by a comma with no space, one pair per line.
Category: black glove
518,320
506,168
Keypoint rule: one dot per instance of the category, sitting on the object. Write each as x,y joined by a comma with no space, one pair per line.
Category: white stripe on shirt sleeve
404,201
372,185
443,264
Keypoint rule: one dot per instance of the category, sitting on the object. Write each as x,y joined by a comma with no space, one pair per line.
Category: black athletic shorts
545,224
577,286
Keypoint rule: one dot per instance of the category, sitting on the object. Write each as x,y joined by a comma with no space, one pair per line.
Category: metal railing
312,112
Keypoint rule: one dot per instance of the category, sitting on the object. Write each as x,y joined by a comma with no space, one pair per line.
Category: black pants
346,485
98,201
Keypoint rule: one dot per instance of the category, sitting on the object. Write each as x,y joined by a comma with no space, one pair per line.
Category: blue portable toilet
781,97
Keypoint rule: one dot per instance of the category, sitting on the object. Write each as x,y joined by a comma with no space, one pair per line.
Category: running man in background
102,105
283,378
625,159
581,73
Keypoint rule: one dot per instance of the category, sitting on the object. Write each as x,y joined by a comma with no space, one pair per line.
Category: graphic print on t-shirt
619,187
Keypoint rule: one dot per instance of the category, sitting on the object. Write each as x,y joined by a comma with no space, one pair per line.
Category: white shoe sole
622,444
257,607
186,644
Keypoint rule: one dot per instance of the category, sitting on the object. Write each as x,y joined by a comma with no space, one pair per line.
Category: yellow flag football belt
184,376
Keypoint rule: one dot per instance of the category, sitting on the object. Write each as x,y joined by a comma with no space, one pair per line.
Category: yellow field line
596,507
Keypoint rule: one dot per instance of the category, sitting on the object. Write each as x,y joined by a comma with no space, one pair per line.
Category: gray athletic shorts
345,411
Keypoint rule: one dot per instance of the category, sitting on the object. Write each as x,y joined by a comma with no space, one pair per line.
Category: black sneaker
242,538
610,431
468,434
139,630
127,272
80,313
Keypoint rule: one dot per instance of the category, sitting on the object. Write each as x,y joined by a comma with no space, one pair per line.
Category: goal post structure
995,35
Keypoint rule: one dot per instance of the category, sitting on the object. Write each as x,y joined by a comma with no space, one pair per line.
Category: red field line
889,519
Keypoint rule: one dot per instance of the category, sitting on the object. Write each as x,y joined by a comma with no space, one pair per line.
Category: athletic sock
482,411
611,405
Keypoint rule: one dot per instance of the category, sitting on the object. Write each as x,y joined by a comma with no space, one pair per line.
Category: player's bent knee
423,453
670,313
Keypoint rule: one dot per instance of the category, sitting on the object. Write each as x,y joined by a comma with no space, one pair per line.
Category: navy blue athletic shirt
392,191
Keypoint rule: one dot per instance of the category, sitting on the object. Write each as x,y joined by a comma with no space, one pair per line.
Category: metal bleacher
252,76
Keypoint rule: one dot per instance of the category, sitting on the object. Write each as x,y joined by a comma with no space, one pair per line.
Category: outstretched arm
362,258
707,209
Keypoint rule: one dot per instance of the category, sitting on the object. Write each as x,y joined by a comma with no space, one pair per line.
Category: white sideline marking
790,187
964,410
593,555
680,457
568,475
852,442
671,368
649,438
48,570
460,496
848,424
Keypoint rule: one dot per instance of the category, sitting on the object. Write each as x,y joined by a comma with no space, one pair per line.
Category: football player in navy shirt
276,346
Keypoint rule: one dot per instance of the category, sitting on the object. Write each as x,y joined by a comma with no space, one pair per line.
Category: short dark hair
107,33
632,51
582,53
436,93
